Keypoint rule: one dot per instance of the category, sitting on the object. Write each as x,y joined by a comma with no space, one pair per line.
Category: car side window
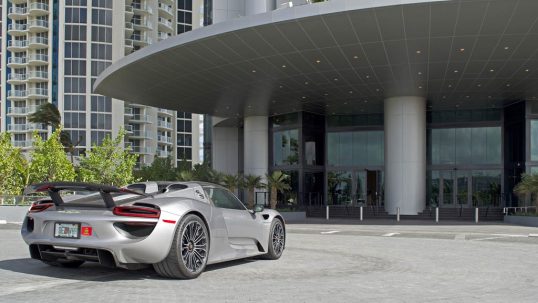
223,199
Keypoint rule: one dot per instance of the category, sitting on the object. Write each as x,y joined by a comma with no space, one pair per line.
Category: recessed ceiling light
489,97
450,85
326,94
334,113
457,105
506,48
420,87
351,92
362,110
227,107
508,85
467,97
377,89
420,73
318,61
284,65
479,85
249,106
335,79
327,105
456,71
306,82
281,86
274,101
444,97
303,97
253,70
355,57
367,76
419,52
527,70
491,70
345,103
365,101
462,49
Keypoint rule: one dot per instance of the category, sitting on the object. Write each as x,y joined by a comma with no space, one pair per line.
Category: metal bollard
398,214
361,212
476,215
327,213
437,215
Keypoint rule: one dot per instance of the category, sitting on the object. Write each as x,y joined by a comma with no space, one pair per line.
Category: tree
231,182
251,182
49,162
277,182
528,186
12,167
49,115
108,163
162,169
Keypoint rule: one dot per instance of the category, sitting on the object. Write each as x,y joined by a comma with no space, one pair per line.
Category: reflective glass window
286,147
534,140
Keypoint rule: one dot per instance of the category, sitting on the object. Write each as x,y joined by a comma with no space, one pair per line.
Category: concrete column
405,155
256,156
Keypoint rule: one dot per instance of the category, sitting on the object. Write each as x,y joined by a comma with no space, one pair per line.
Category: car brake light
36,207
136,211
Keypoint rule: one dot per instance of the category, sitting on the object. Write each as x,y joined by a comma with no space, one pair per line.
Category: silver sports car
178,227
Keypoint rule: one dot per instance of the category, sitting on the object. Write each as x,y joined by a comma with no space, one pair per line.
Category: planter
522,220
294,216
13,214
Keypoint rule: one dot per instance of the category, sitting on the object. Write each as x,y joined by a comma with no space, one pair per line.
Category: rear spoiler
53,189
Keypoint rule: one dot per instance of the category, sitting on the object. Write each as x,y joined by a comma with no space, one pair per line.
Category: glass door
463,184
360,188
447,182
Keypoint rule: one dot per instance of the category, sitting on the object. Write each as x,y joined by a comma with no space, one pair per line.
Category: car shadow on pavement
96,273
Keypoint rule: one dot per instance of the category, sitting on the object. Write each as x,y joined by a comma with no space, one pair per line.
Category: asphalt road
321,263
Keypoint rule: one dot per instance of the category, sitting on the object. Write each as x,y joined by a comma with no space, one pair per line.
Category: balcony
128,111
38,59
139,134
16,13
16,62
129,12
141,119
129,46
17,45
141,24
129,28
142,9
17,94
15,29
165,111
162,36
22,144
166,10
164,139
37,26
141,150
164,124
16,78
128,129
38,42
163,153
38,76
21,111
38,93
141,40
38,9
165,25
26,127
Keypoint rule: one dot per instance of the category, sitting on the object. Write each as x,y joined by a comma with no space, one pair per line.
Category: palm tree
528,186
49,115
277,182
251,182
231,182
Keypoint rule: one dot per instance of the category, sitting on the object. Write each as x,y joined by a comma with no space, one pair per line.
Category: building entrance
357,187
451,188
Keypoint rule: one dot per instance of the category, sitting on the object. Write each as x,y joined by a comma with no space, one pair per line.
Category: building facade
53,51
401,104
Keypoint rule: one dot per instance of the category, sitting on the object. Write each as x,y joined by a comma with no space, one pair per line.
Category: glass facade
534,140
286,147
360,148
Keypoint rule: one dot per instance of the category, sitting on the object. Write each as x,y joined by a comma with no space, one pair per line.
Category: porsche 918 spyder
177,227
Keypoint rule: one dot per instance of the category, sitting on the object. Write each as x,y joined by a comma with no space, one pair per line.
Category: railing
17,27
17,10
128,111
520,209
37,74
165,22
128,9
16,60
25,127
166,8
38,91
17,93
17,43
37,22
129,25
39,40
164,124
288,4
39,57
165,111
17,77
164,139
21,110
22,143
39,6
143,118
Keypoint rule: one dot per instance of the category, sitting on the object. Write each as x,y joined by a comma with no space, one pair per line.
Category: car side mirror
258,208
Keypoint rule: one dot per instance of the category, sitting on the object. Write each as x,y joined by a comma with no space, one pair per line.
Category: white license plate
67,230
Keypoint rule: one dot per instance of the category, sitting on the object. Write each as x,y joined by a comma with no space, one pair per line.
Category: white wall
225,149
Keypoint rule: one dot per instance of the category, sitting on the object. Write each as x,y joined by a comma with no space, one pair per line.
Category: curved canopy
340,57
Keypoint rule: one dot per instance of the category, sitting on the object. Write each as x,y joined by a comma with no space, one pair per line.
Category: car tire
66,263
277,233
186,259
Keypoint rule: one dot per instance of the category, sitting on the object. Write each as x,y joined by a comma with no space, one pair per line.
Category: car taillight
37,207
137,211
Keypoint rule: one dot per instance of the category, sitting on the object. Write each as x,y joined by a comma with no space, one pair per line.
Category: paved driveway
321,263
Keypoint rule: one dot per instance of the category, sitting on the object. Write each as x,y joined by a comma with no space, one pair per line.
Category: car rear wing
54,188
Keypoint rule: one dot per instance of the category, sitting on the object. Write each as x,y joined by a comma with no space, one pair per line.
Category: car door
241,224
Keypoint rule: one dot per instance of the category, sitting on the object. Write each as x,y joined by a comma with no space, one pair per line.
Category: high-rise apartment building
53,50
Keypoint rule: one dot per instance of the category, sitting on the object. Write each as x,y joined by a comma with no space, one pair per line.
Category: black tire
174,265
65,263
275,251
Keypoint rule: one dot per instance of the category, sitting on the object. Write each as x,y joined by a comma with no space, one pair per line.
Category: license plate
67,230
